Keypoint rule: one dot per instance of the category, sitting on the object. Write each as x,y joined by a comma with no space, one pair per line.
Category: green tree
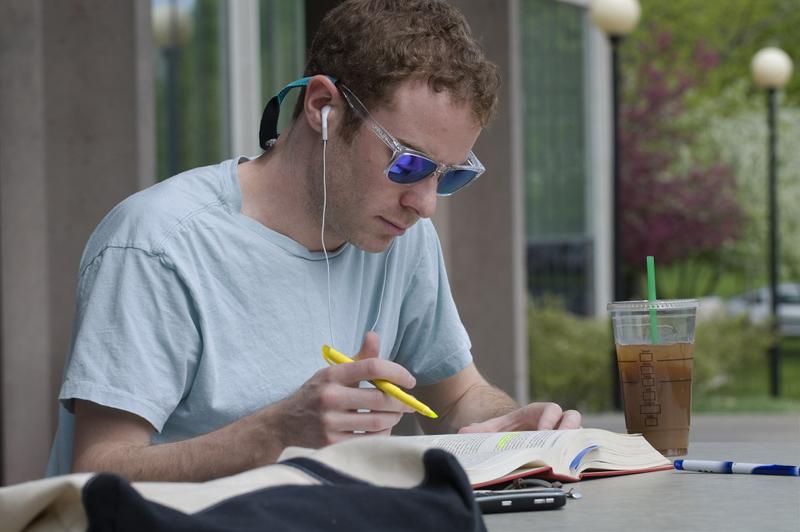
734,29
741,140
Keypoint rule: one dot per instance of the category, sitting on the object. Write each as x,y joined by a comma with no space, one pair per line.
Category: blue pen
713,466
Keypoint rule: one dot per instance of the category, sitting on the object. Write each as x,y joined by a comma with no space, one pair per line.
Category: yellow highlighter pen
332,356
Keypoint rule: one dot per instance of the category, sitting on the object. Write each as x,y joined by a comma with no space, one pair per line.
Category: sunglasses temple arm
384,135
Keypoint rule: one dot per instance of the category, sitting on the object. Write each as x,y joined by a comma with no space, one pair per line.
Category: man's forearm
322,411
242,445
478,403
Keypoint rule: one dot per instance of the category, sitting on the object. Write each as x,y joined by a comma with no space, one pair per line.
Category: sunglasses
406,166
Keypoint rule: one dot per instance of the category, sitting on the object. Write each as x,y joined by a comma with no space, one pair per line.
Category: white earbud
325,111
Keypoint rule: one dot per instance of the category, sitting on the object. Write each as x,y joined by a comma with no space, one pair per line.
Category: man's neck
276,193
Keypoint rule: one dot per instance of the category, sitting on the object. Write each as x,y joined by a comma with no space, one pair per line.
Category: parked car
756,304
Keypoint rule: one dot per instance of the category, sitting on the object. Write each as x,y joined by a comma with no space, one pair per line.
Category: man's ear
320,93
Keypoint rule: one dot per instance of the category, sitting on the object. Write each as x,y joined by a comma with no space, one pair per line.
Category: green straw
651,297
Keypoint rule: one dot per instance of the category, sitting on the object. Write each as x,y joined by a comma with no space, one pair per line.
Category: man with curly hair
203,301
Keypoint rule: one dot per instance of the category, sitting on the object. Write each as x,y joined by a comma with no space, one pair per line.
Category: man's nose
421,197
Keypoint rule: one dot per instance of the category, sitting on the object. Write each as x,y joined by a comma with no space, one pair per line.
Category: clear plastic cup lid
659,304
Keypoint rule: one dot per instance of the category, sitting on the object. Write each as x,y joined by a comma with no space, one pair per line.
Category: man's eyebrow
409,144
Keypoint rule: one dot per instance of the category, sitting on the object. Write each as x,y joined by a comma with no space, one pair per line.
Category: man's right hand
326,408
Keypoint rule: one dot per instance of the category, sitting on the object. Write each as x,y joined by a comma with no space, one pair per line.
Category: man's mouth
394,228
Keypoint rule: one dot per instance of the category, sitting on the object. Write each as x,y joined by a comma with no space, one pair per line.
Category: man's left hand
535,416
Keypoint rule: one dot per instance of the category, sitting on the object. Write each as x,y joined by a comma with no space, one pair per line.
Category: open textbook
565,455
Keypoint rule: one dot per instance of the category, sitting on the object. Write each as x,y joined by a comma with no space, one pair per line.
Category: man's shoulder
147,219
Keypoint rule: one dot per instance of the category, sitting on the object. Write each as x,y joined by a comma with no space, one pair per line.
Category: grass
746,403
790,368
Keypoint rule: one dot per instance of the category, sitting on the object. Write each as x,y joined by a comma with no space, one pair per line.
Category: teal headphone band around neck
269,119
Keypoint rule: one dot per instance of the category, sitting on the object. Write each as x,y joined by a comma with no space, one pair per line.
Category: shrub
570,357
726,350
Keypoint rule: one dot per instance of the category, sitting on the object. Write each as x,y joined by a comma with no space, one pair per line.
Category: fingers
368,366
343,398
496,424
570,419
535,416
476,427
370,369
371,423
370,348
549,416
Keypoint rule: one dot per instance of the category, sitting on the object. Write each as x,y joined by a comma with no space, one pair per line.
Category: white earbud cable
383,286
325,251
322,237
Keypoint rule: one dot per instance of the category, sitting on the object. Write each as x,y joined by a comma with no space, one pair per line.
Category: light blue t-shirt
191,315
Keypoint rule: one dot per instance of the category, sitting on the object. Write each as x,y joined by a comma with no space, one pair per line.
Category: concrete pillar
600,178
77,136
482,227
244,60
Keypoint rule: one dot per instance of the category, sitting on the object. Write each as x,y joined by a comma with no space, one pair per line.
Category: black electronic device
520,500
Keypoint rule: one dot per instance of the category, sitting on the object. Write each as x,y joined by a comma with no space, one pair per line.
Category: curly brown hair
371,45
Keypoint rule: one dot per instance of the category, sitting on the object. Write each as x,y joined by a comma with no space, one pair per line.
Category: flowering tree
741,139
675,206
736,29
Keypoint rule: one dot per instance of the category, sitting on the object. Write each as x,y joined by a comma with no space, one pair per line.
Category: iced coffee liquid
657,392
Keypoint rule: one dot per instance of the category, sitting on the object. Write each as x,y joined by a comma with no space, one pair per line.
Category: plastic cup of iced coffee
655,357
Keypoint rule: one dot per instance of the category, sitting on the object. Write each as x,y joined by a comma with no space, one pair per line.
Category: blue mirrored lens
454,179
410,169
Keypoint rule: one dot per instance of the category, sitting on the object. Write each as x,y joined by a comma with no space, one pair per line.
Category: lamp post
172,29
616,18
771,68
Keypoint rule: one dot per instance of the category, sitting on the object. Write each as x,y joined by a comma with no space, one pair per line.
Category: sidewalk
720,427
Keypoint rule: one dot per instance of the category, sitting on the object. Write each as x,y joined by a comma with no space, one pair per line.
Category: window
555,140
196,83
283,49
191,125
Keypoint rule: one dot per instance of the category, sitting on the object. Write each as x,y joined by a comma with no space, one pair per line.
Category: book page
620,452
486,456
463,445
